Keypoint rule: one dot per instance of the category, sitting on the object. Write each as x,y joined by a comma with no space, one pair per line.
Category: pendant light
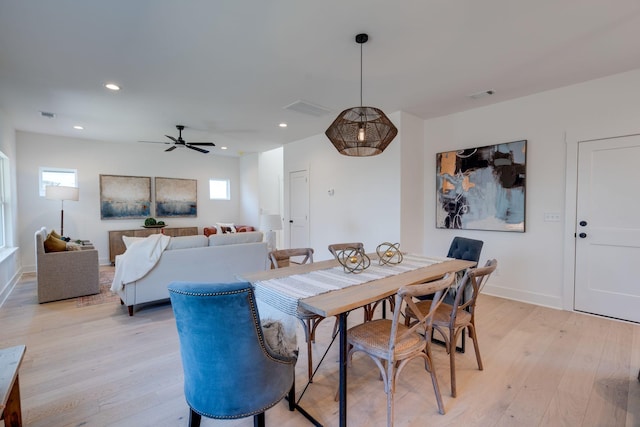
361,131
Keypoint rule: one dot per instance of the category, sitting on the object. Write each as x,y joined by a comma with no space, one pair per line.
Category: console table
117,247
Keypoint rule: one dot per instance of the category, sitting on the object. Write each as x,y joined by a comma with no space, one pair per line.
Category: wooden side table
10,360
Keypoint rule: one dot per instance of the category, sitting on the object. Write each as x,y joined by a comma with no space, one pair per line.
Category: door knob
582,235
583,223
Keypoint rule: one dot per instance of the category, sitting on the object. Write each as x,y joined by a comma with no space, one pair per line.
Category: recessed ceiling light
283,125
112,86
223,148
78,127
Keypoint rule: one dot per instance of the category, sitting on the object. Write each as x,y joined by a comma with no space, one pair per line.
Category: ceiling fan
177,142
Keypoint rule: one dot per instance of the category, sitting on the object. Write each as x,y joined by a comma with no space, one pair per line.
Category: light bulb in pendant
361,133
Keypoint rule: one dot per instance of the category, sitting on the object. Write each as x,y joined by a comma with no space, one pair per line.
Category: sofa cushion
184,242
235,238
54,244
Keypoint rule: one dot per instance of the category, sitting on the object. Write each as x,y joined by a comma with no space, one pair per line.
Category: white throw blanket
139,258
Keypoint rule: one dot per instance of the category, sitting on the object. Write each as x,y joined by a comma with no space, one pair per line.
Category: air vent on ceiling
308,108
482,94
47,114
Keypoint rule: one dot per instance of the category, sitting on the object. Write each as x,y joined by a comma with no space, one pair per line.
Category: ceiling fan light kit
361,131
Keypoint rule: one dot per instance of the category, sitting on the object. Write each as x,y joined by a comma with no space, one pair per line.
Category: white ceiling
226,69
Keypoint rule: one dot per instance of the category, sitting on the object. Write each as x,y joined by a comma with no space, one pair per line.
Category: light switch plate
552,217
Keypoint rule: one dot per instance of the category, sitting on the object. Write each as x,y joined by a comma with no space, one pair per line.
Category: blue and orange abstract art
482,188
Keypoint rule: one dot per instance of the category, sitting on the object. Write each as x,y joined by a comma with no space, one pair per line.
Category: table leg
12,412
343,369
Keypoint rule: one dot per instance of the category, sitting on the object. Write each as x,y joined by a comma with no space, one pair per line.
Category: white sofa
219,258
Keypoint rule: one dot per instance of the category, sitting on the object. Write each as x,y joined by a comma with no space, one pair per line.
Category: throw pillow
54,234
54,244
276,339
226,227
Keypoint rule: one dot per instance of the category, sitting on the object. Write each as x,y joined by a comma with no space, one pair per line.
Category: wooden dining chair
392,345
281,259
451,320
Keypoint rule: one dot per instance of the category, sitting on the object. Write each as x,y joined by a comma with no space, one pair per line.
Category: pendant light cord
361,74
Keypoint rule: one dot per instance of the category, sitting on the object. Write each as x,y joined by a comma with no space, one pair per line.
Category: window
219,189
57,176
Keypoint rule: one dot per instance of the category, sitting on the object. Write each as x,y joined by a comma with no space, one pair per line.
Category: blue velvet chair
466,249
229,371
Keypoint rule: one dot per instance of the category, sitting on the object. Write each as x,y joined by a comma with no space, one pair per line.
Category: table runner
285,292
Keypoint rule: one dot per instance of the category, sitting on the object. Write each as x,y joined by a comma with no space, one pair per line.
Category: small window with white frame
57,176
219,189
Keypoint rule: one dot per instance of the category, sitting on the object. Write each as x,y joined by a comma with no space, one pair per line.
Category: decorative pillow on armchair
54,244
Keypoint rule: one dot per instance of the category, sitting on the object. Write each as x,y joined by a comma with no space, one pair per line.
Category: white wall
92,158
270,167
411,135
365,206
531,264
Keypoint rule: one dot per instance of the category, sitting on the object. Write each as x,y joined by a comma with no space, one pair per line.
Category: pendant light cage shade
346,135
361,131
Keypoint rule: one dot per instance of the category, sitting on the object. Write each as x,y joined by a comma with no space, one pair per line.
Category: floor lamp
269,223
62,193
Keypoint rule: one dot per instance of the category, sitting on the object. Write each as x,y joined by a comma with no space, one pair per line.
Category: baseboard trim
524,296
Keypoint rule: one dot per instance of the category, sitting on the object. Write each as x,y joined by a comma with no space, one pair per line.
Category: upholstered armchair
65,274
229,370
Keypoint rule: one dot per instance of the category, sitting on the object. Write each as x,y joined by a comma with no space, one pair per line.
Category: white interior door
299,209
608,229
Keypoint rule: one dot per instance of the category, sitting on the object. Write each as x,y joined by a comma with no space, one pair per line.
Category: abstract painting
125,197
176,197
482,188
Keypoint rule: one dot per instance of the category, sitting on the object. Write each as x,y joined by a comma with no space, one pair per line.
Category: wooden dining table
339,302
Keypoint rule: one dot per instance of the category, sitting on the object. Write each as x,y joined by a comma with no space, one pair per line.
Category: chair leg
258,420
308,335
292,396
194,418
453,339
434,380
476,346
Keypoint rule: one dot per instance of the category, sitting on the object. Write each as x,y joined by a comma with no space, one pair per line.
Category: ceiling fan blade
197,148
173,147
156,142
210,144
171,138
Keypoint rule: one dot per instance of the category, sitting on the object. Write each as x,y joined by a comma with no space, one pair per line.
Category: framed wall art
176,197
125,197
482,188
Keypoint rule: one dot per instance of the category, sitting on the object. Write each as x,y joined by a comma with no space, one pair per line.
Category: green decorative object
150,221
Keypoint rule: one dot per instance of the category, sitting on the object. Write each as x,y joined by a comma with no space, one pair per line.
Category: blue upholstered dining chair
466,249
229,370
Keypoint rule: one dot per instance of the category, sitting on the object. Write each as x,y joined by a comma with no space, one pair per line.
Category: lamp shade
269,222
60,192
346,132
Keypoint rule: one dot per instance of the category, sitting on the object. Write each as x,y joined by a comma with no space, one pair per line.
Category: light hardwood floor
96,366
